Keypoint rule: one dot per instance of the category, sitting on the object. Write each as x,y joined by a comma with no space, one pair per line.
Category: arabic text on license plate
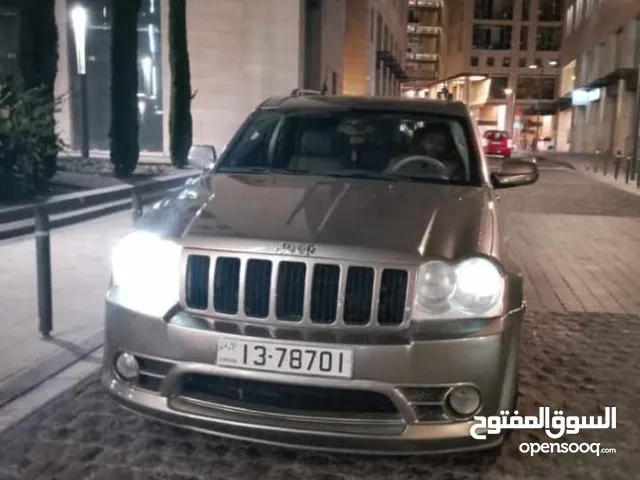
285,358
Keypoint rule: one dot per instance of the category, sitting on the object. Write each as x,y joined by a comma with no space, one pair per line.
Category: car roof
323,102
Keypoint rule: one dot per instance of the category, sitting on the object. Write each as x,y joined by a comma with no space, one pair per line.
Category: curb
25,381
563,163
36,405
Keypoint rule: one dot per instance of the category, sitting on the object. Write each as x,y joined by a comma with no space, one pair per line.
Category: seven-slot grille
293,291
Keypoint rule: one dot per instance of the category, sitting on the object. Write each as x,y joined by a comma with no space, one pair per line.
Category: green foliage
27,140
123,134
180,121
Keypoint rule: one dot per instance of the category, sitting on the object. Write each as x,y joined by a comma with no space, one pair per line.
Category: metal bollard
43,266
136,203
626,167
616,166
596,161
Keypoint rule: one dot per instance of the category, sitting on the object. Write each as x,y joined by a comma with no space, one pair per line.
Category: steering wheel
424,159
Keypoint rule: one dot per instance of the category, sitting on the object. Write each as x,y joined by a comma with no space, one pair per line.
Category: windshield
496,135
351,143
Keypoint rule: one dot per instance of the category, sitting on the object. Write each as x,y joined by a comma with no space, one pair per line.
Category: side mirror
515,173
202,156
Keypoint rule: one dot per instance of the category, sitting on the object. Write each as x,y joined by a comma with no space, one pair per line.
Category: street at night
577,240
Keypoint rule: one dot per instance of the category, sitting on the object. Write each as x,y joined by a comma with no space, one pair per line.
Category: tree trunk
38,61
124,131
180,123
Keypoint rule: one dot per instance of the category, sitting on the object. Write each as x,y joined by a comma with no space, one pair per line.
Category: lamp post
511,95
79,23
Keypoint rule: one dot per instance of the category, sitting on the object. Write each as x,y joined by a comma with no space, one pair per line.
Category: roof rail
300,92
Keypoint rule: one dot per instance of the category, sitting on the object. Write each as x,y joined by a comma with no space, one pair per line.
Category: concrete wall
601,41
241,52
593,27
357,48
363,34
332,41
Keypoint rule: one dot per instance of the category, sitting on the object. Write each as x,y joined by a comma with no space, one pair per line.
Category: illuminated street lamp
79,23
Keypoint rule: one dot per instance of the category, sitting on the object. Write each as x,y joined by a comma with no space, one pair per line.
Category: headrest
317,143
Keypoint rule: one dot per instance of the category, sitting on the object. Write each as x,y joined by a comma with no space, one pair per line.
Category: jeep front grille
296,291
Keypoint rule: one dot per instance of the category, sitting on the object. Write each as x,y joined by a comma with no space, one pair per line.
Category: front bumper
486,358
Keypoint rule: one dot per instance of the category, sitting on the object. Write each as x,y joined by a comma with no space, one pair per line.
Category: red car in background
497,143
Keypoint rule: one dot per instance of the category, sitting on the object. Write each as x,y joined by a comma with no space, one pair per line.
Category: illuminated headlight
147,268
471,288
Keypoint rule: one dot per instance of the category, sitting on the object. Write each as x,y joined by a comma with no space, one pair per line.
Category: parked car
335,280
546,143
497,143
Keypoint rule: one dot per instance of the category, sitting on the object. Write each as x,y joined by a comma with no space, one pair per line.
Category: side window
253,147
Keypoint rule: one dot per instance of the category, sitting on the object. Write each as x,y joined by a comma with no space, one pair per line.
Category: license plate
285,358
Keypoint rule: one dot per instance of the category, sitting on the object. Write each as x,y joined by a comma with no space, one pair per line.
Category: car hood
404,217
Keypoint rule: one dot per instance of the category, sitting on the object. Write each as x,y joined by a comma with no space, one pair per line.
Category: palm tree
123,134
180,122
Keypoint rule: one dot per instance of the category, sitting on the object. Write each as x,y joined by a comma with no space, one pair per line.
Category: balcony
422,57
422,71
431,4
417,29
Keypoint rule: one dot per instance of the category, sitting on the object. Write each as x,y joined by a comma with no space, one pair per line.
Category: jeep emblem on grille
296,248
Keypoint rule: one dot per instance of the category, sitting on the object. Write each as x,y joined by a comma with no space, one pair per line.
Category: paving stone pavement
579,357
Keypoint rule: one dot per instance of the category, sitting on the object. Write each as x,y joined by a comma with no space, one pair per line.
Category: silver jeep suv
336,280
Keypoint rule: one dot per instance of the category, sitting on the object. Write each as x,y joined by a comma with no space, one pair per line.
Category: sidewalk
593,166
80,268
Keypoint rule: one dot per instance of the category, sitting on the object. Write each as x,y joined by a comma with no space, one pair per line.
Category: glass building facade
98,56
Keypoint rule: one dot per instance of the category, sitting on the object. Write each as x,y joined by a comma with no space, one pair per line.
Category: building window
150,94
498,85
490,62
536,88
550,11
506,62
474,61
538,63
413,16
491,37
524,37
549,39
493,9
334,83
522,62
526,9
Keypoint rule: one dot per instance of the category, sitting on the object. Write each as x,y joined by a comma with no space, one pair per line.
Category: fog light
464,400
127,366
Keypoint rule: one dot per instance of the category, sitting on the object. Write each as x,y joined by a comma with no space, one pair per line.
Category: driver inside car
434,142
